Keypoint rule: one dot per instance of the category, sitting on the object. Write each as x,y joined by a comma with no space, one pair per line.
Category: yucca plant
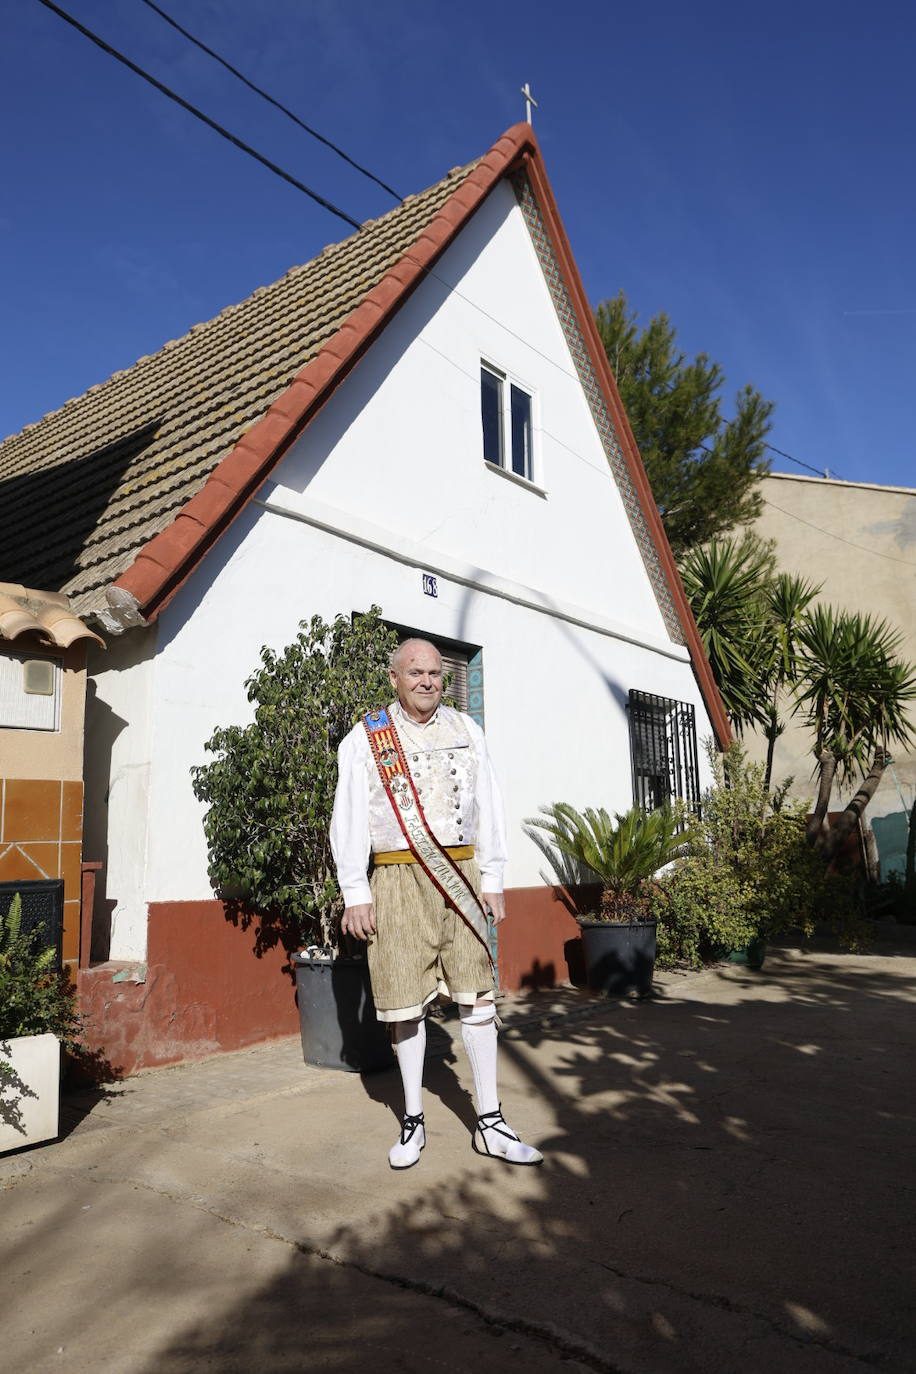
855,693
623,853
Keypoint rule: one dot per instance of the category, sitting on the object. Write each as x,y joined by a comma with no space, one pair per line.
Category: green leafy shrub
750,873
35,997
270,786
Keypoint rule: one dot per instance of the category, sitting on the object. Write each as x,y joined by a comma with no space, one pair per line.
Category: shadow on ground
728,1186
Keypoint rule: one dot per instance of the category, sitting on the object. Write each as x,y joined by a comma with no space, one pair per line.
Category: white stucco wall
400,444
552,587
118,764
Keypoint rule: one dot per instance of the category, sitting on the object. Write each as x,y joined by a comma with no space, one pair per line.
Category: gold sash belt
404,856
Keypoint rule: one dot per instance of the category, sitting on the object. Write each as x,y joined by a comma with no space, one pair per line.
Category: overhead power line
818,472
270,99
277,170
198,114
832,534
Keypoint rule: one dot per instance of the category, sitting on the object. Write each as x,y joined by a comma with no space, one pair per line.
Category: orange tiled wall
41,834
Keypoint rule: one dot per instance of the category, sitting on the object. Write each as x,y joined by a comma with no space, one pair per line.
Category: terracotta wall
41,830
539,942
204,989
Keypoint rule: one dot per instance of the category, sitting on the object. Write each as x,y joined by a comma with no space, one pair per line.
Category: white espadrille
405,1151
499,1141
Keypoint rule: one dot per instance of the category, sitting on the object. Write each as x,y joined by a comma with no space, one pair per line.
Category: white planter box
29,1090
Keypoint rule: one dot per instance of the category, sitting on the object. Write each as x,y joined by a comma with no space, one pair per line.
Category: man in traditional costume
416,790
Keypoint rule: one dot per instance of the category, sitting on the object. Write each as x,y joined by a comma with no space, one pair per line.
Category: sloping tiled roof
112,468
118,496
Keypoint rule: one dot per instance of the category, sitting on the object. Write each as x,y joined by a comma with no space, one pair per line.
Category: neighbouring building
42,704
422,417
859,541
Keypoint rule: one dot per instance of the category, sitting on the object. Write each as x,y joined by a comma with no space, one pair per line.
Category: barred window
663,750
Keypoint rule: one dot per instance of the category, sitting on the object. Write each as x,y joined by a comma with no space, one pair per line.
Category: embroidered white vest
443,765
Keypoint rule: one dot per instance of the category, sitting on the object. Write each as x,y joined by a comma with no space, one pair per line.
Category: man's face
417,679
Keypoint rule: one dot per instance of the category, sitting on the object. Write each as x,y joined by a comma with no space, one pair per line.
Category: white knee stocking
493,1136
410,1042
478,1031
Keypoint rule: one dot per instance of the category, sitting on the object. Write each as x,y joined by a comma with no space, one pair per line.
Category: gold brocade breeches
422,946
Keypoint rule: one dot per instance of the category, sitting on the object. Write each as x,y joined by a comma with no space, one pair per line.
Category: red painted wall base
205,990
539,941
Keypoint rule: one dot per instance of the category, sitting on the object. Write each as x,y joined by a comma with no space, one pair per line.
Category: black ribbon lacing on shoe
491,1121
409,1127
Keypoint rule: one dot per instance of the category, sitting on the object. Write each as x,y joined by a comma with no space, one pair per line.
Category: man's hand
359,921
497,904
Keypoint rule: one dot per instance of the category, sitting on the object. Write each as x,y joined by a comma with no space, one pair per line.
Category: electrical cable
818,472
198,114
874,553
300,186
270,99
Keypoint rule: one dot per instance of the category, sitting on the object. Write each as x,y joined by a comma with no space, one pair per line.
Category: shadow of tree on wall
728,1185
14,1090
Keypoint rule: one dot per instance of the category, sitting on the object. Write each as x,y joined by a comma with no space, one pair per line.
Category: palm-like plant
623,853
786,600
727,582
853,691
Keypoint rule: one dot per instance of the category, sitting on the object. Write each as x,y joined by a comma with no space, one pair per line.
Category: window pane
491,413
521,432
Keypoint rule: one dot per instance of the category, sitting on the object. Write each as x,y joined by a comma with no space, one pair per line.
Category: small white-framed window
506,413
29,691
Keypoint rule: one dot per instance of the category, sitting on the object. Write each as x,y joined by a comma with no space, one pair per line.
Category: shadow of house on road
727,1185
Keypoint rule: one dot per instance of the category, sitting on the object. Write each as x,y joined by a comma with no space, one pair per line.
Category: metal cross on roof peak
529,101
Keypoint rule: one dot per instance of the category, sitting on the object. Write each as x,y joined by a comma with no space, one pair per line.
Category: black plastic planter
337,1019
619,957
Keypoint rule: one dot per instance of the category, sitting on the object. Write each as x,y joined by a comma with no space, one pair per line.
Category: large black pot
337,1019
619,957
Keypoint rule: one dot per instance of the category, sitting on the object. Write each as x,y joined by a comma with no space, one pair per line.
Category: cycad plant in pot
623,853
270,791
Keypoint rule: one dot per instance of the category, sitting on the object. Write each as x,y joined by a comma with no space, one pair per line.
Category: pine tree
704,470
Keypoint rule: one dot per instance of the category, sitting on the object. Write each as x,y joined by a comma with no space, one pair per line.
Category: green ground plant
750,874
35,997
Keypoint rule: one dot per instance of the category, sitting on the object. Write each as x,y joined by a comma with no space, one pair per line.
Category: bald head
416,675
406,648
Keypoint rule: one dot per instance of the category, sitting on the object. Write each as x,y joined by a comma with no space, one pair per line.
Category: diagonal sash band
436,863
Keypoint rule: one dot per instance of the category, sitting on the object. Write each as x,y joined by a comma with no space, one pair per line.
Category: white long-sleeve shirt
451,769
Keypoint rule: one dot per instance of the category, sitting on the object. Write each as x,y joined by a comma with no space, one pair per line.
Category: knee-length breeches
422,947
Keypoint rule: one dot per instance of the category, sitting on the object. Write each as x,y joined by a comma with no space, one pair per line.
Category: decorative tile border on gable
611,444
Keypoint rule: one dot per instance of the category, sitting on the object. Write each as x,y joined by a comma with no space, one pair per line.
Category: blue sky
747,169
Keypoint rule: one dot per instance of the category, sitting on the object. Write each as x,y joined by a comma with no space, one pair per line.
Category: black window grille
663,751
42,911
